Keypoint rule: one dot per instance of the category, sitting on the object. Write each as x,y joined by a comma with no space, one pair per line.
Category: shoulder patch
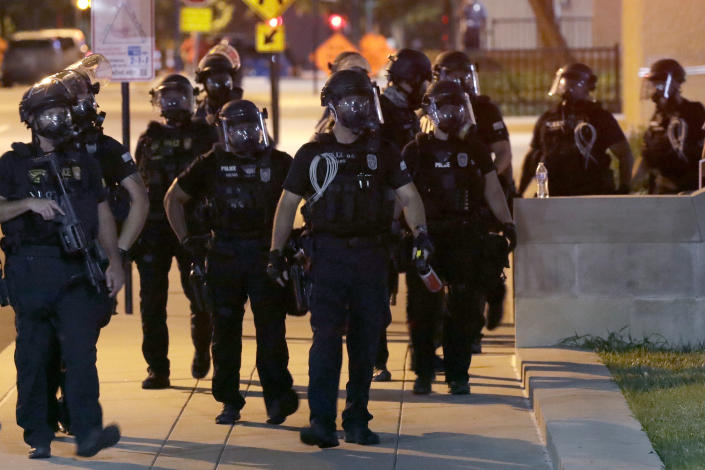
498,126
126,157
372,161
402,166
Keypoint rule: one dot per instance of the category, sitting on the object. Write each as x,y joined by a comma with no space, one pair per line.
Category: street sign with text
123,31
267,9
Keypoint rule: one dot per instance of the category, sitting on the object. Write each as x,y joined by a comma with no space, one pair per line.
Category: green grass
665,389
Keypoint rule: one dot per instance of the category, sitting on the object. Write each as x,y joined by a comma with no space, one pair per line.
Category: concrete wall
654,29
595,265
606,23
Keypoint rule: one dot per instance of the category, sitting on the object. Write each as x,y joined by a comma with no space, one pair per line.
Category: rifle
72,232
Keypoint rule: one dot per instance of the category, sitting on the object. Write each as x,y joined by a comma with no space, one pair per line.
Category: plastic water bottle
542,180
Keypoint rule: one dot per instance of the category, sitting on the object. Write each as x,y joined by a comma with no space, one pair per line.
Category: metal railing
519,79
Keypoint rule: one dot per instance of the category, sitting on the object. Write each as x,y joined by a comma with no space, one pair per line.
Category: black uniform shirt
198,179
571,173
21,177
562,118
115,160
659,152
400,124
390,164
490,124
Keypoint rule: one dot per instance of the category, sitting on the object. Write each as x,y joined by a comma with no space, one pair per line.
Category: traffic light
336,22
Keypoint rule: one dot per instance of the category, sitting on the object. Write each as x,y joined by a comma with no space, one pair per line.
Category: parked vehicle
32,55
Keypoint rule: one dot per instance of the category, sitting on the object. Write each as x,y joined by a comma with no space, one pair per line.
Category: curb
581,413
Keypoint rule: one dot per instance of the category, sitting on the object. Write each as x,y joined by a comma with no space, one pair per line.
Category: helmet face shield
54,123
573,86
660,86
219,85
96,69
244,137
354,111
450,113
468,78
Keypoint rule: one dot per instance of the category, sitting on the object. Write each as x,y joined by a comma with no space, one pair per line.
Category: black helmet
354,99
345,83
448,105
350,60
220,58
244,128
661,69
409,65
38,109
414,68
174,97
571,78
457,66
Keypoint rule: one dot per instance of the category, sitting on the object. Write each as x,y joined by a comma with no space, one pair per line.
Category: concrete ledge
581,412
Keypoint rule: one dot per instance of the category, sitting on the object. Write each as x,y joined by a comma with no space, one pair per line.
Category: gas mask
175,102
246,138
450,113
55,124
219,85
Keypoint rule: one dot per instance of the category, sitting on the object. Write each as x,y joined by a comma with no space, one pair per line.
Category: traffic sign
376,50
123,31
196,20
267,9
270,39
327,52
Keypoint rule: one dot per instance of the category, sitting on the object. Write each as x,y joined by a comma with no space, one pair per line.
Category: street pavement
493,428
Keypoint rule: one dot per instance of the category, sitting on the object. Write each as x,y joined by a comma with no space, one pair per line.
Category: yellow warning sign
267,9
196,20
376,50
329,50
268,39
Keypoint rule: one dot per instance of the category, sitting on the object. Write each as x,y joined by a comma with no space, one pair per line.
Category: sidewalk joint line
232,427
173,425
401,408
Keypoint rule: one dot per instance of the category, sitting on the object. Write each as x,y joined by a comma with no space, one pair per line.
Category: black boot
40,452
283,407
319,435
229,415
201,364
156,381
98,440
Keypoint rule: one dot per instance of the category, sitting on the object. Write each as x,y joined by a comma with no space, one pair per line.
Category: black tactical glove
277,268
510,233
195,246
423,248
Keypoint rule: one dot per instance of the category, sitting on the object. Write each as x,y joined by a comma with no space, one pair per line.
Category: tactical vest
30,228
450,182
667,149
573,166
358,202
244,196
168,152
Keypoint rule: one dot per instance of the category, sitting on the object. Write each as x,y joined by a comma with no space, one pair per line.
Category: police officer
217,72
163,152
674,139
242,178
349,179
572,140
127,193
455,177
408,75
53,213
492,131
348,60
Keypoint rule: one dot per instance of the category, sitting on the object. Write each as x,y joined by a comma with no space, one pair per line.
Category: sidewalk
174,429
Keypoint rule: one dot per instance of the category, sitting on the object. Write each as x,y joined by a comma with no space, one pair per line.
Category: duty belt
355,241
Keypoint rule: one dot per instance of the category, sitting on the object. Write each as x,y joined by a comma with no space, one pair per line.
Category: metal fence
519,79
